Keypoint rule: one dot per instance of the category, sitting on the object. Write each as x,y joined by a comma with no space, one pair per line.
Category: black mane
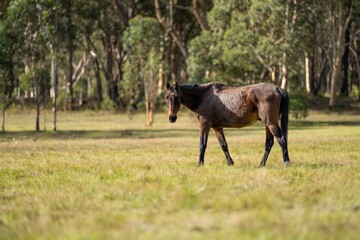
187,87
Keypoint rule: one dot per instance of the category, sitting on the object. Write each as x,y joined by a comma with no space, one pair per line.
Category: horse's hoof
230,163
287,164
200,164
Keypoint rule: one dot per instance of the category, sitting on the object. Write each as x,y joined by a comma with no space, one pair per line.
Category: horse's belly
235,121
245,121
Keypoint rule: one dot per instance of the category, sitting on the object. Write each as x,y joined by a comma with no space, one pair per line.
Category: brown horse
218,106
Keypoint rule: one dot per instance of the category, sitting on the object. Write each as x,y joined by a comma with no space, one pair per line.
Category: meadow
107,176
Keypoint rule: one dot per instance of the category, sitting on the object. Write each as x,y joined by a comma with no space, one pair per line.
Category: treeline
119,54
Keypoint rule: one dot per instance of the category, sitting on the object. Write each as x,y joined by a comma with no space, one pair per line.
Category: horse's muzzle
172,118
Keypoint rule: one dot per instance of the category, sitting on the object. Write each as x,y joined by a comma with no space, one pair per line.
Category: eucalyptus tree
340,15
54,24
181,21
103,24
25,19
143,42
6,69
245,43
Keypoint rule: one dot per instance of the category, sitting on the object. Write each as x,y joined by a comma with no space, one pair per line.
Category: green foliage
81,86
142,34
299,105
44,77
107,104
129,90
62,99
355,91
27,81
142,40
6,61
244,39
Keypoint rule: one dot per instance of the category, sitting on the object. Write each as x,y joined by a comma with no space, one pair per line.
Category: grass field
104,176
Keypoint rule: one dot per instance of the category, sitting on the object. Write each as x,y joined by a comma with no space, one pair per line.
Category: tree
143,42
71,34
103,24
341,16
25,20
245,43
181,23
96,46
6,69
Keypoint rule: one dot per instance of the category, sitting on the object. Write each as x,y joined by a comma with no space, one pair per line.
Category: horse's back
242,106
232,106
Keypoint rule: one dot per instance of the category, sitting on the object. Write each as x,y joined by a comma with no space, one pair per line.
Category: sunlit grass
104,176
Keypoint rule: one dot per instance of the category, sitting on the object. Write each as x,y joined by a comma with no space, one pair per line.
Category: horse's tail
284,110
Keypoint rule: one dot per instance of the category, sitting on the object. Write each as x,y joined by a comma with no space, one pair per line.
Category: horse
217,106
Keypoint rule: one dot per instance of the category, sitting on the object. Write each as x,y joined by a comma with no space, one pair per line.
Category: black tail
284,110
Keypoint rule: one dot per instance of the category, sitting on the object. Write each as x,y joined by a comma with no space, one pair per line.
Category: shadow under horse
217,106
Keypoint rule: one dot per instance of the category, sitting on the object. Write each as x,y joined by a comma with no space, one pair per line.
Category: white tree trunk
54,90
3,111
284,71
307,74
339,50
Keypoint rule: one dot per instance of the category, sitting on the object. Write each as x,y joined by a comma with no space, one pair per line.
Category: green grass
104,176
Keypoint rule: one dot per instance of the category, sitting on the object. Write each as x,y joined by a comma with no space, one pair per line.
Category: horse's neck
192,95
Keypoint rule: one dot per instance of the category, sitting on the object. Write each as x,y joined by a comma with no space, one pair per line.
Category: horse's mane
200,88
187,87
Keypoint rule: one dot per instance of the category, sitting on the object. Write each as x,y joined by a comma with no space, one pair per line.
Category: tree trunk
289,29
339,50
3,111
169,27
99,89
54,87
200,20
147,102
37,79
150,98
95,60
315,76
284,70
70,60
307,74
44,104
357,63
112,89
344,91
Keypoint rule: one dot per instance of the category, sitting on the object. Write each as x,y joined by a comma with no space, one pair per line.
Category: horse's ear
177,87
167,85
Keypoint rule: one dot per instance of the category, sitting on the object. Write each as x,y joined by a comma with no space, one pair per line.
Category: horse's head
173,96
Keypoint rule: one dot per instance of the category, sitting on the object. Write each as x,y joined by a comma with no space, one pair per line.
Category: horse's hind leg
223,144
269,142
281,138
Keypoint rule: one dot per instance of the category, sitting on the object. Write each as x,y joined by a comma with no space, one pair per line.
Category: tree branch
199,19
169,29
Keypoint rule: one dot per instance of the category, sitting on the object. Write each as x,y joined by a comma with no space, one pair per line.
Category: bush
299,105
107,104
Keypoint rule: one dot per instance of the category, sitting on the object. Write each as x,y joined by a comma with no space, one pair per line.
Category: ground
103,175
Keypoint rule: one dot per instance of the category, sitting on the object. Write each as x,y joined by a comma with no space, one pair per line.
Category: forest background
119,54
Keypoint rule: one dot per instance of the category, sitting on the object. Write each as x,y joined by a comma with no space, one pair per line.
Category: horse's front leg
204,133
219,132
